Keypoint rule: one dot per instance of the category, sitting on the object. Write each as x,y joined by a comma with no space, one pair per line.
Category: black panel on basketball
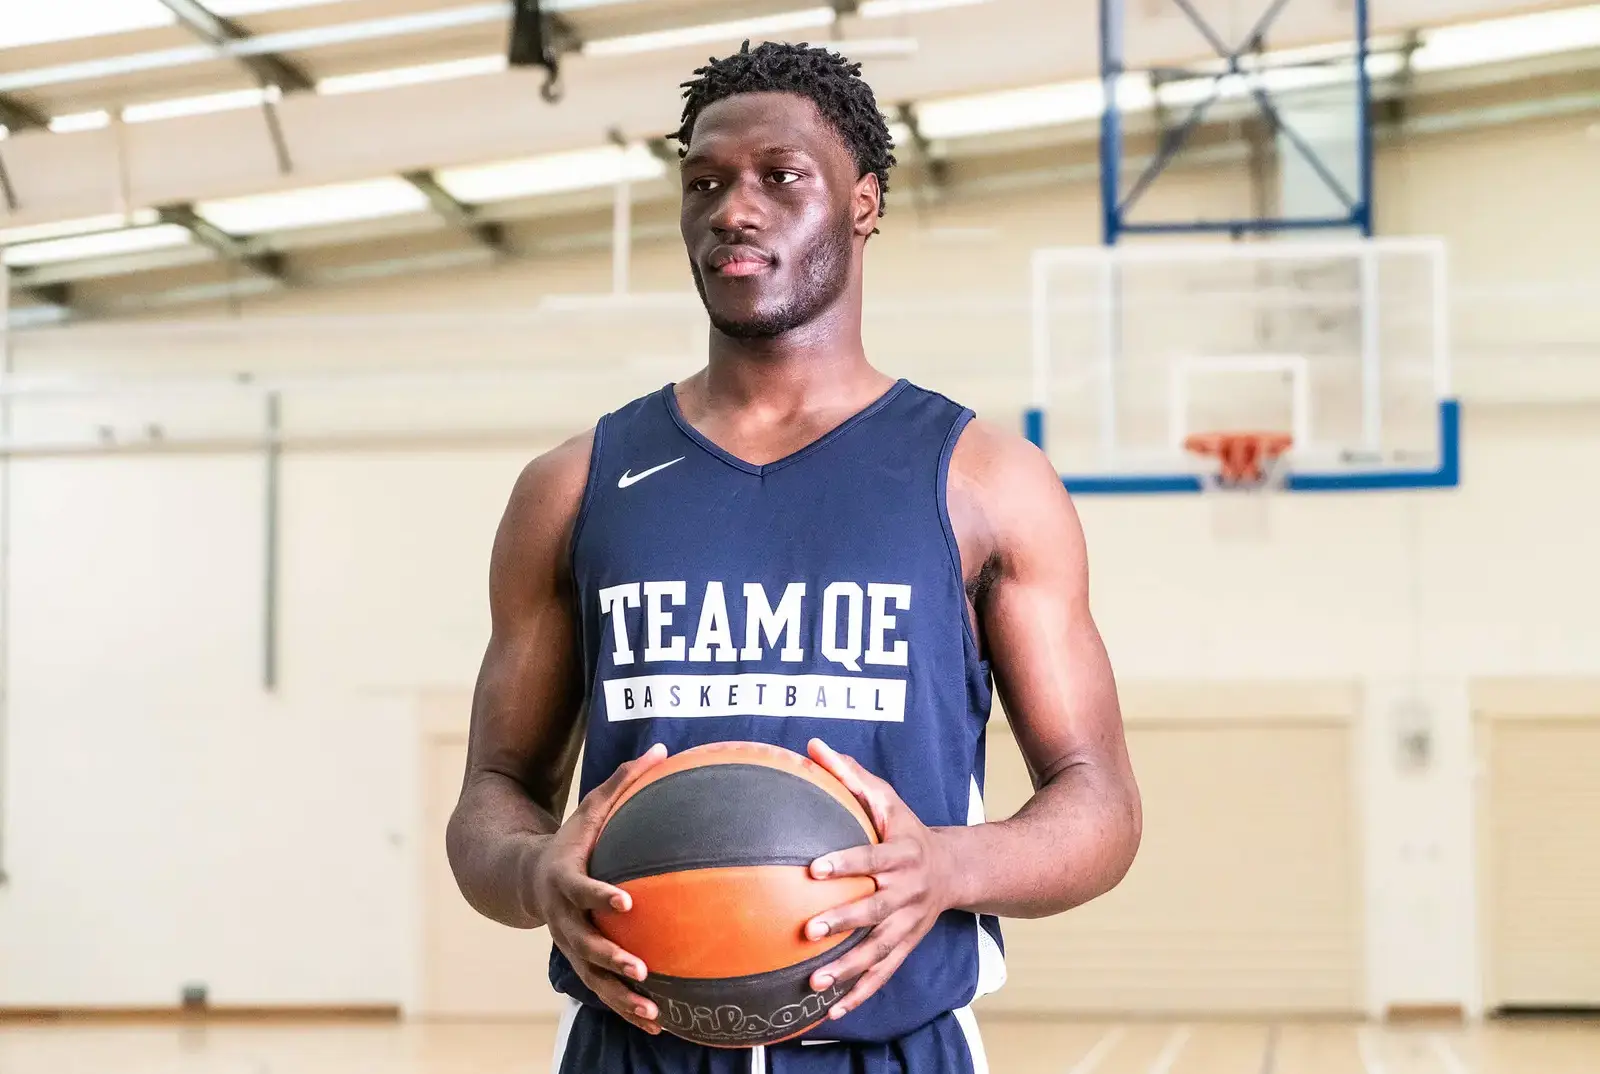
720,816
740,1012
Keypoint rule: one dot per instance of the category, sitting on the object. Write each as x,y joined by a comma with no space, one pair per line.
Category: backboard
1342,344
1210,84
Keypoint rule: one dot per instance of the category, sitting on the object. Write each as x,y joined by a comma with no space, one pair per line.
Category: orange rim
1242,456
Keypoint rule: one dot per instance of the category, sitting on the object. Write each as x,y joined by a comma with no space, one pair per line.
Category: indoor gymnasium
307,303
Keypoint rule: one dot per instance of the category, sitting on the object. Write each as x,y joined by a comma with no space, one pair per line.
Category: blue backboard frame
1447,474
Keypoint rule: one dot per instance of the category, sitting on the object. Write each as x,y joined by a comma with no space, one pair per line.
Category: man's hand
915,874
564,894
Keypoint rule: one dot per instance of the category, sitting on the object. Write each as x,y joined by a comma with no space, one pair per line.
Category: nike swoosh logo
628,478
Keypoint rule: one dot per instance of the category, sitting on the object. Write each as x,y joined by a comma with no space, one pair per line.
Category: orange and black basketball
714,846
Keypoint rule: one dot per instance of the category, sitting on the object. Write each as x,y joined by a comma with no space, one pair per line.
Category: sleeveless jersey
820,595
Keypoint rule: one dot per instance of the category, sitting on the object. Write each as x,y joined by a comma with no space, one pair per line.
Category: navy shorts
593,1040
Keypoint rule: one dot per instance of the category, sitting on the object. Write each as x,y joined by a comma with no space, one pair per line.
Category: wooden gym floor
1015,1047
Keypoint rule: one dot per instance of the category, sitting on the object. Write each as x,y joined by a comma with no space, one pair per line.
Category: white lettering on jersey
850,652
627,595
838,697
657,619
759,618
852,624
714,630
879,594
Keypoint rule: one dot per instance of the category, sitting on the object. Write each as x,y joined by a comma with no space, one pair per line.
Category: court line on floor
1369,1052
1447,1055
1169,1055
1098,1052
1269,1057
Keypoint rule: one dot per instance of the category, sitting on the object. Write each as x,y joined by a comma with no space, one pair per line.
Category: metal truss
1357,204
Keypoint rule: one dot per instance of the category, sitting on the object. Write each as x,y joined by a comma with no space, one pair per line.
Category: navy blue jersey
820,595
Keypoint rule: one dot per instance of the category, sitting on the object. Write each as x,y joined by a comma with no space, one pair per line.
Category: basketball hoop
1247,463
1245,459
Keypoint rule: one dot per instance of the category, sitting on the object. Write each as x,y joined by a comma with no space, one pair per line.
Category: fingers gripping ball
713,847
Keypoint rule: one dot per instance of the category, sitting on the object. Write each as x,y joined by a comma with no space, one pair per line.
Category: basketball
714,845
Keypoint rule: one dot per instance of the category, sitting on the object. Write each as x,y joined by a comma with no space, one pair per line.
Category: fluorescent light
102,244
755,29
882,9
65,20
1010,110
1229,87
864,48
83,225
196,106
79,121
229,8
1084,100
551,174
411,76
1500,40
314,206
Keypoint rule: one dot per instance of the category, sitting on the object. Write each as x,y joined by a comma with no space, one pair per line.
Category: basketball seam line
751,978
689,865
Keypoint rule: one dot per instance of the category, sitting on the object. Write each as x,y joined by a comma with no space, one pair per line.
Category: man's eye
702,185
779,175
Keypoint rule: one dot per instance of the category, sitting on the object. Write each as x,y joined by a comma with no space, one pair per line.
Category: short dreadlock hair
827,79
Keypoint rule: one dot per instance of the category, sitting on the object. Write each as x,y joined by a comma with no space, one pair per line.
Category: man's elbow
1116,847
1128,834
458,843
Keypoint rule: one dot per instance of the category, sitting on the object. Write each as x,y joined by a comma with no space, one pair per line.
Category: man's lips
738,260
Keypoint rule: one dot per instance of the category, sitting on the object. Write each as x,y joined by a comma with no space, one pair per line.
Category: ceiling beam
226,246
270,68
343,33
938,167
458,213
662,149
8,192
50,294
17,116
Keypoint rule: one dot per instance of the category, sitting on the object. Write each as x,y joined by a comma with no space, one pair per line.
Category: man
789,510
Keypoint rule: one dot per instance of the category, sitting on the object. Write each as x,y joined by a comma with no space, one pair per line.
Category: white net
1340,343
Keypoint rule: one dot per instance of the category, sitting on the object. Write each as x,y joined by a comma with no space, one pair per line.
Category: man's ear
868,197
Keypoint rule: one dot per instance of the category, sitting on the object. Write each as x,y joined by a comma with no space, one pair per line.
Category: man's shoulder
553,483
994,461
1007,494
550,486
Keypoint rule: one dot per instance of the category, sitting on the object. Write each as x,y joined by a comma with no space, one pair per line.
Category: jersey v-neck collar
669,396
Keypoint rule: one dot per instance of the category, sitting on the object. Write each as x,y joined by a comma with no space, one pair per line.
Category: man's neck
818,364
785,379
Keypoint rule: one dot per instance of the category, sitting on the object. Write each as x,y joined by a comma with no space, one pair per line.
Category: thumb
866,787
600,799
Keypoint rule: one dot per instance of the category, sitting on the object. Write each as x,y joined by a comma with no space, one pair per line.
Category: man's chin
754,326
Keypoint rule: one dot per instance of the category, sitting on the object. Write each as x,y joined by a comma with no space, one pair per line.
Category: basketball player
789,510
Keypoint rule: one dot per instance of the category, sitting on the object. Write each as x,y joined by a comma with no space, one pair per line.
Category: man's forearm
493,841
1071,842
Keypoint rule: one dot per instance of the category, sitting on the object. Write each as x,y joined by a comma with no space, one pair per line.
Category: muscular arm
1076,837
525,710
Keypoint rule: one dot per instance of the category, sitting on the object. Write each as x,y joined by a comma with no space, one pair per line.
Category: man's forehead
763,121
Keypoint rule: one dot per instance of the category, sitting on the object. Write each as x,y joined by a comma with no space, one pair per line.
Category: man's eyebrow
701,156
